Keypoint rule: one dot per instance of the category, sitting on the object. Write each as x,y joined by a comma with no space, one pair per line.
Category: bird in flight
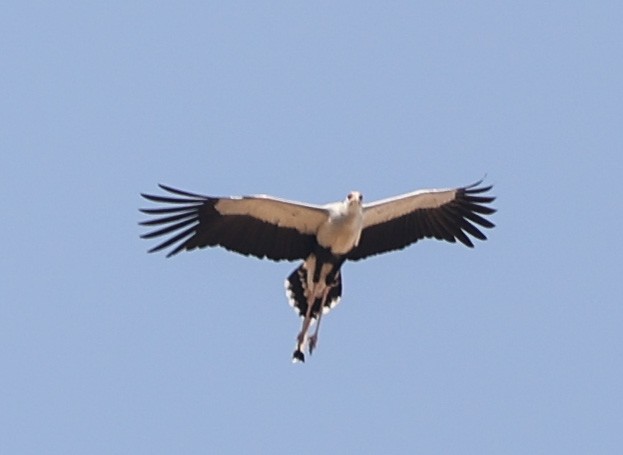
322,236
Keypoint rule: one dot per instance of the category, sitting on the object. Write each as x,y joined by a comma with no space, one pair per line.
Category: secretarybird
323,236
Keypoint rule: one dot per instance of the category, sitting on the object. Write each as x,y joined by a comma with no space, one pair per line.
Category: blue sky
513,347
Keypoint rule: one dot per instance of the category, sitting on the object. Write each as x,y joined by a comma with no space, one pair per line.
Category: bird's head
354,199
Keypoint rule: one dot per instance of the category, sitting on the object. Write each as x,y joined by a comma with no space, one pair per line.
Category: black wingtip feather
170,189
168,219
172,240
474,189
168,200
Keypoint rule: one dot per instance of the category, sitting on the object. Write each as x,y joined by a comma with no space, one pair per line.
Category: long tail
296,285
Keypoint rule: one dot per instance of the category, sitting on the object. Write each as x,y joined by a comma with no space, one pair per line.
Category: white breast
342,230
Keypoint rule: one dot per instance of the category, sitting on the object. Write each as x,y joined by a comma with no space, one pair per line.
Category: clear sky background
513,347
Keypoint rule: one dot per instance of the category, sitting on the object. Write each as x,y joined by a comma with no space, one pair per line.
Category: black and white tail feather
297,294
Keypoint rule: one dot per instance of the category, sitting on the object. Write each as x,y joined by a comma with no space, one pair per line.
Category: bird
323,237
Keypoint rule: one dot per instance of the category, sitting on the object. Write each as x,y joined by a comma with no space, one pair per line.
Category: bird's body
324,237
341,232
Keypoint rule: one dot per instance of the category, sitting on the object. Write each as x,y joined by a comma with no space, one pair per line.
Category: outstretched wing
260,226
450,214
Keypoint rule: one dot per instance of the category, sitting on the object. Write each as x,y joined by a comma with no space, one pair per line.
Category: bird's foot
298,356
